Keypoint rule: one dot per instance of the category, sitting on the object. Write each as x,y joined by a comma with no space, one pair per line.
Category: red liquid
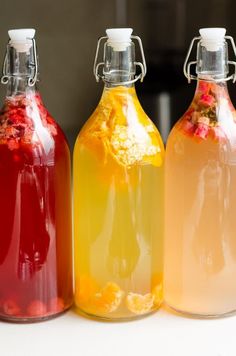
35,211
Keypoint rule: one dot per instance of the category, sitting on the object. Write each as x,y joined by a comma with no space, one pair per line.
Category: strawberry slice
203,87
201,130
188,127
206,100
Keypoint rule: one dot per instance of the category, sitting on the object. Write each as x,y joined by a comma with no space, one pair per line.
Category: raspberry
37,308
56,305
10,307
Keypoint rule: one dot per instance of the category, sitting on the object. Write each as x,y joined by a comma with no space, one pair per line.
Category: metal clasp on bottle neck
33,78
187,65
142,64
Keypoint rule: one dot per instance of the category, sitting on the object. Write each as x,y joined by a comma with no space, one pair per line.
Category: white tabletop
161,334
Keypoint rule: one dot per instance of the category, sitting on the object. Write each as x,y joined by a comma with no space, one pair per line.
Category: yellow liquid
118,210
200,227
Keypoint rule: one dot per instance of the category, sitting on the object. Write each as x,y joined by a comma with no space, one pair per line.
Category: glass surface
35,209
118,216
200,244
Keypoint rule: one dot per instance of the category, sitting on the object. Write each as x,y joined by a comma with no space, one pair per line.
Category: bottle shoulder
117,111
120,124
26,125
210,116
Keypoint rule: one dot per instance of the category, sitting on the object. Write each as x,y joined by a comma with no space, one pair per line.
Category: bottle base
94,317
191,315
31,320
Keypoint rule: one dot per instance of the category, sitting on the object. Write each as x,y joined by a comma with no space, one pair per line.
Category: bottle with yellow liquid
200,238
118,194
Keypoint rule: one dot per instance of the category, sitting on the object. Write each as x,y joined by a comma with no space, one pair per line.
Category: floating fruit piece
10,307
13,144
195,117
37,308
129,142
56,305
133,145
204,113
138,303
17,122
10,131
189,113
206,100
108,299
201,131
157,293
204,120
86,287
203,87
188,127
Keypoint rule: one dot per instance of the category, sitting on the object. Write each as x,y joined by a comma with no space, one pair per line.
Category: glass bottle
118,195
200,244
35,238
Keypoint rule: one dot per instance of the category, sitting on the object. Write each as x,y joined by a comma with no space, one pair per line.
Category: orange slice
138,303
108,299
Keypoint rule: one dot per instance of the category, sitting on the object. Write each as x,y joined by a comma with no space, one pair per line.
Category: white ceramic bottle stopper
21,39
119,38
212,38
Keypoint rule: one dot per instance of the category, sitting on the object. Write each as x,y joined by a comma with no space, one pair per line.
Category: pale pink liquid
200,237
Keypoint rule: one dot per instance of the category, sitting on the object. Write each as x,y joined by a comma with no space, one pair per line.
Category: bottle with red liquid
35,209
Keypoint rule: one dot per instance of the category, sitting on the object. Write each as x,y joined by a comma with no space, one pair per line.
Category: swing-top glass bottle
118,194
35,209
200,243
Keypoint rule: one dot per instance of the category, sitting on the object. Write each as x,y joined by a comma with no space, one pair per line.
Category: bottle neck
20,67
19,86
212,70
119,65
212,61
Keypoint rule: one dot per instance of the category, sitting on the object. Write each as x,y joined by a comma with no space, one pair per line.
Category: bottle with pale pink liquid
200,189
